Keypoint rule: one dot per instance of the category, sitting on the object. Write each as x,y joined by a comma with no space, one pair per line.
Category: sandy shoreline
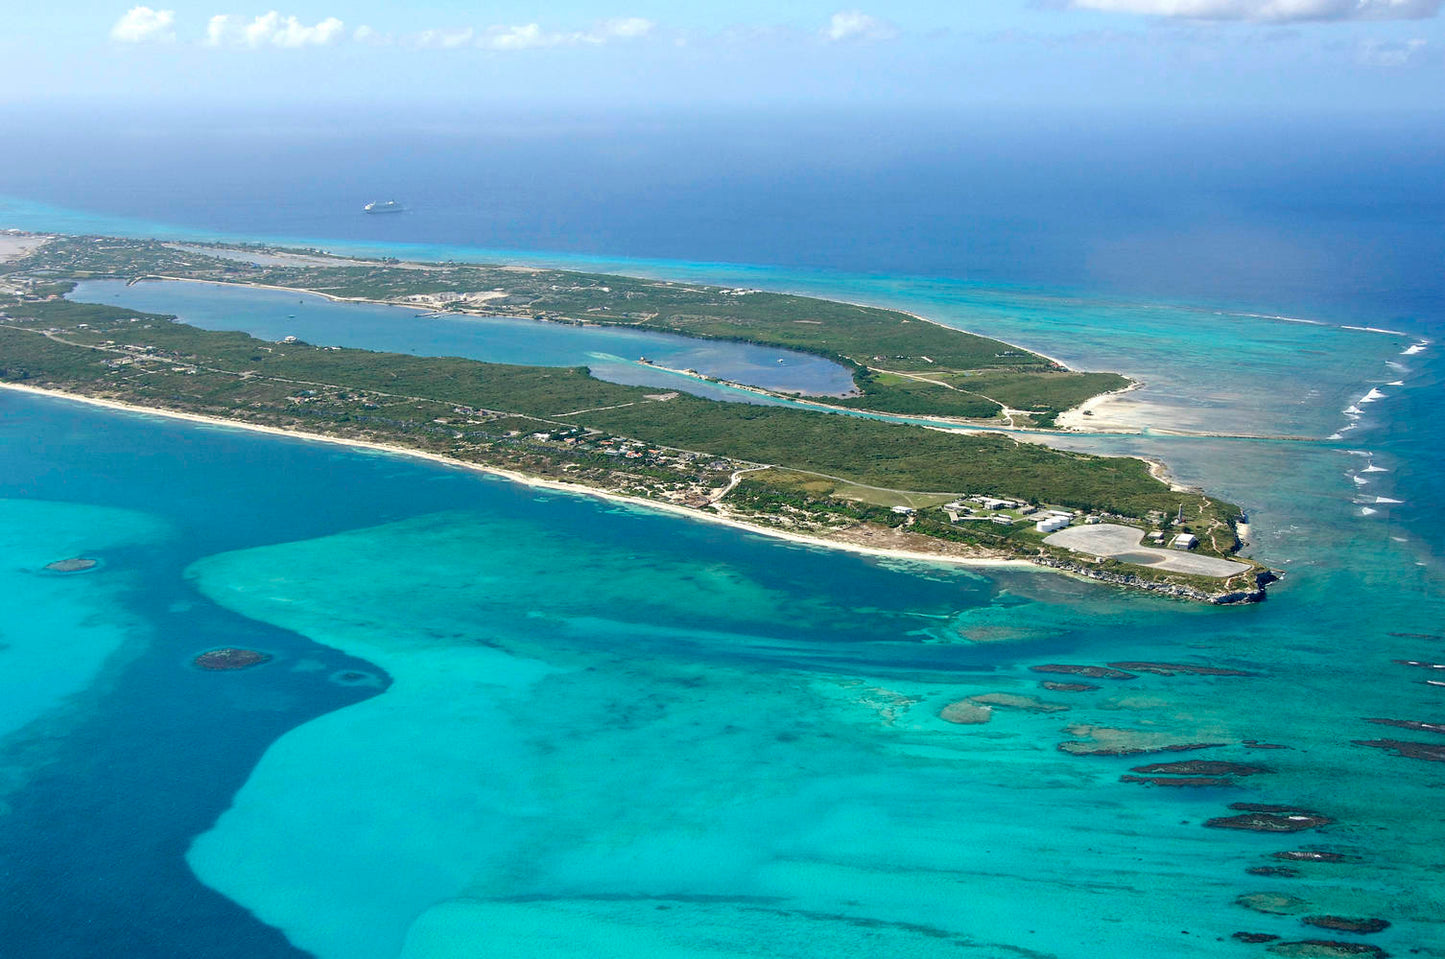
1095,416
538,482
13,246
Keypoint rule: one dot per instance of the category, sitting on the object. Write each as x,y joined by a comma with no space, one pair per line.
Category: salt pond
611,353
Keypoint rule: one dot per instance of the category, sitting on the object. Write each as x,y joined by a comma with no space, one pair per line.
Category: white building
1184,541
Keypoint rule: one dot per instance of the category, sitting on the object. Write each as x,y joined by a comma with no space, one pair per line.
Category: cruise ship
376,206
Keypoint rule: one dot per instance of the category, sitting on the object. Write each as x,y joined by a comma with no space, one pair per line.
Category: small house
1184,541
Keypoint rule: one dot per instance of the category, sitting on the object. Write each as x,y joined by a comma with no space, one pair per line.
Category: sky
1312,56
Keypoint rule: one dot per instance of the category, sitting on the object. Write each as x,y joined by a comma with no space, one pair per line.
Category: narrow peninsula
820,472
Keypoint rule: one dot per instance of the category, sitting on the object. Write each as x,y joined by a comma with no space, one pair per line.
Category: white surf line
1375,329
1272,316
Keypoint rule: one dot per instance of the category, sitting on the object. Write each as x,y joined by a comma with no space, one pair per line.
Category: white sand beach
575,488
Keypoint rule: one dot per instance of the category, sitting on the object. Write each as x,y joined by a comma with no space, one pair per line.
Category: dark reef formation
1196,781
75,564
1325,949
1028,704
1261,817
1430,752
1200,767
1347,924
1411,724
1076,748
230,657
1054,687
1313,855
1089,672
1273,903
1172,669
1192,772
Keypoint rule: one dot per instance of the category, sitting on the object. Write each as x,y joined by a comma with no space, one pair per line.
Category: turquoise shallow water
45,604
609,732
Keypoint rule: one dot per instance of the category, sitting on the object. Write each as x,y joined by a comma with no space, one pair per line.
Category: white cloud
624,28
371,37
444,39
1389,53
1270,11
273,30
531,36
140,24
848,25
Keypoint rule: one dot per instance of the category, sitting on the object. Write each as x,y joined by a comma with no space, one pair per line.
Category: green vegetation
826,474
956,374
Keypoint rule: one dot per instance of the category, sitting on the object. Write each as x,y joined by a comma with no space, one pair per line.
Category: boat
377,206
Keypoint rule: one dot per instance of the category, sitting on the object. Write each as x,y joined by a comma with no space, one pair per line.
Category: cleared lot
1123,543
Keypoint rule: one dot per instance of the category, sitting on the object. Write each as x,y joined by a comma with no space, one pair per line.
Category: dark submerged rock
1017,701
1171,669
1313,855
75,564
1411,724
230,657
1200,767
1273,903
1347,924
1259,817
1089,672
1067,687
1195,781
1254,937
1325,949
1076,748
1430,752
1284,872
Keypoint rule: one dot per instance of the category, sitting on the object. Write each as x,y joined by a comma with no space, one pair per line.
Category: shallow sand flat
1123,542
13,246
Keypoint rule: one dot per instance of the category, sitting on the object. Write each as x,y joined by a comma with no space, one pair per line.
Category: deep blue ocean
509,721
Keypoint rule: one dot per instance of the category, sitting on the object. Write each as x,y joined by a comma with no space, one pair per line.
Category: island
850,472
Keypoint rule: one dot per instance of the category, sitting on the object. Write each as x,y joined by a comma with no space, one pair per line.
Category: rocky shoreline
1234,597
